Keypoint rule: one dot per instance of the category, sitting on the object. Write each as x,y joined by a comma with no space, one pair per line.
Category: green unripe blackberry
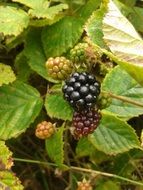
104,101
85,54
59,68
77,54
105,65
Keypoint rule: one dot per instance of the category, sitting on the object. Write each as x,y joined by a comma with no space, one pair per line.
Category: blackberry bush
59,68
85,122
81,90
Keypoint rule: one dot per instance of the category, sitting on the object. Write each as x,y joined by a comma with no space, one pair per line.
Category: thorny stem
78,169
123,99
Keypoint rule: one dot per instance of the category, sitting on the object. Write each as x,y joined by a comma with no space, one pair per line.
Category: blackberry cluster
85,122
81,90
59,68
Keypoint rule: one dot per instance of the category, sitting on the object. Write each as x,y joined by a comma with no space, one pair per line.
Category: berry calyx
85,122
81,90
59,68
44,130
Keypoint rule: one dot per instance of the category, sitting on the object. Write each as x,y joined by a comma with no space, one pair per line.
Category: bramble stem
78,169
122,98
35,162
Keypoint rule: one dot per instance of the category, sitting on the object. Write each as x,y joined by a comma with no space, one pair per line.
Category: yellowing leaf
6,74
5,157
42,9
8,181
12,20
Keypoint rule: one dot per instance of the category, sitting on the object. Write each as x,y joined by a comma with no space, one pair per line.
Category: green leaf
55,145
42,9
6,74
84,147
106,185
123,88
19,106
35,54
12,20
22,68
69,29
114,136
93,26
8,180
5,157
57,107
124,42
125,164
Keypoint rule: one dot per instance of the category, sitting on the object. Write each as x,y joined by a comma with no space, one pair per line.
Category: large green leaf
126,94
93,26
57,107
114,136
12,20
124,42
8,181
42,9
35,54
6,74
19,106
55,145
5,157
69,29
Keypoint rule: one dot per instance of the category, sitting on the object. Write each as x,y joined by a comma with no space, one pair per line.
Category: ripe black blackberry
85,122
81,90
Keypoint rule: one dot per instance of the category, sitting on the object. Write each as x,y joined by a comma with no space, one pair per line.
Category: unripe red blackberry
44,130
59,68
81,90
84,185
85,122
